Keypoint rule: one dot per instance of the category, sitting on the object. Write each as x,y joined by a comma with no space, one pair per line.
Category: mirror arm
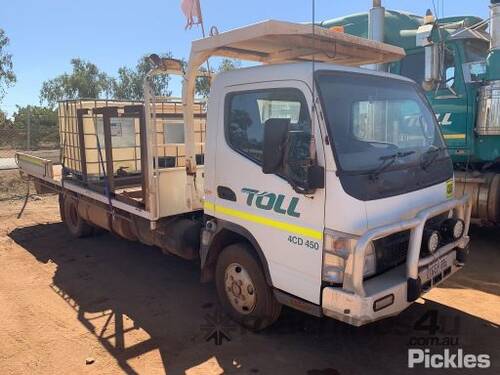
305,189
299,189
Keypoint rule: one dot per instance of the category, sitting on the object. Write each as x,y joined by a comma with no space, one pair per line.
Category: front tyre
243,290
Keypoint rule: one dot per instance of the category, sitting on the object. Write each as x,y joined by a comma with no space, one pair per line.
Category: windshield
476,50
373,119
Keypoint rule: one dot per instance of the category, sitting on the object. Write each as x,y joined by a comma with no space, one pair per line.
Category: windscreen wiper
433,153
387,161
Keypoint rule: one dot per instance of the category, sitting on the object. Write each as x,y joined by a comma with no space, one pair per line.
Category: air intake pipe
376,27
493,59
495,24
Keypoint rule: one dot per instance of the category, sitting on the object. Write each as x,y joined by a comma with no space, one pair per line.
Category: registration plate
437,268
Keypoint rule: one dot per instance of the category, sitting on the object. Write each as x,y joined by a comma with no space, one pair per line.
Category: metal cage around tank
103,142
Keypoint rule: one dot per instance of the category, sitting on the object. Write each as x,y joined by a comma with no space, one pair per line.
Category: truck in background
283,194
458,64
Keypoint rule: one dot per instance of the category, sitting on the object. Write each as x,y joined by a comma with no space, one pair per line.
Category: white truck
317,184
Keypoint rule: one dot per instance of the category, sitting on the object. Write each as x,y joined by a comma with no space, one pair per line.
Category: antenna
313,15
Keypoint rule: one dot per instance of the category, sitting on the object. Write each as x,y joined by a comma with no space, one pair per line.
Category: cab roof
301,71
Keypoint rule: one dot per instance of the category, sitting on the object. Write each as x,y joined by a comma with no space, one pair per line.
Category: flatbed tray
50,176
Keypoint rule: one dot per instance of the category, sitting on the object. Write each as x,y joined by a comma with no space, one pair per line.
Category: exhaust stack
493,60
432,61
495,25
376,27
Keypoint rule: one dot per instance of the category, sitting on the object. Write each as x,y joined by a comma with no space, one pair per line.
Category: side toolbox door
287,225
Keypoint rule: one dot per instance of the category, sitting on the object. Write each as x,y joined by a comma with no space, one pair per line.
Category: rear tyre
78,227
242,288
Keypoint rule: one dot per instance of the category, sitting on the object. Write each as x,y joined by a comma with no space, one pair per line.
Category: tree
3,118
129,83
85,81
203,83
5,129
7,76
40,122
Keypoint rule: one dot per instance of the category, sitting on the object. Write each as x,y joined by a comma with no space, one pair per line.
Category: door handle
223,192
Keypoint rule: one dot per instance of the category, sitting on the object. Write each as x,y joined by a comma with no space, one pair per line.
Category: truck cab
454,97
375,140
456,60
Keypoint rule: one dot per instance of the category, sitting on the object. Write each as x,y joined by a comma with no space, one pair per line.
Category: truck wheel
69,214
242,288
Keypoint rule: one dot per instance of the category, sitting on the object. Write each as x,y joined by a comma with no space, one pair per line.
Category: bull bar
354,280
404,290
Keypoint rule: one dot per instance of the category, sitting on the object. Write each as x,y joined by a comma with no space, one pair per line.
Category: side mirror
315,177
275,135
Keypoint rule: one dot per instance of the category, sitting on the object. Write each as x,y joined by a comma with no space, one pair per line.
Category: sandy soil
129,309
12,186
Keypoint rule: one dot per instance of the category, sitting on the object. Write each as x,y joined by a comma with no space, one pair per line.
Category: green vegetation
86,80
31,127
128,84
203,83
7,76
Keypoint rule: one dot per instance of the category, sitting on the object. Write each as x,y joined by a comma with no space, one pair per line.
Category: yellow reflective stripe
292,228
209,206
31,159
454,136
449,189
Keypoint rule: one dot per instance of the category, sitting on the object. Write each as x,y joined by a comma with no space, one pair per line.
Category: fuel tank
484,190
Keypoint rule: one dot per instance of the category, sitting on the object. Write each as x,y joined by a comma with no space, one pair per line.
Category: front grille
391,251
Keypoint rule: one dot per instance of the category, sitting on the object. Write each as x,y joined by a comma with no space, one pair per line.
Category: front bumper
358,301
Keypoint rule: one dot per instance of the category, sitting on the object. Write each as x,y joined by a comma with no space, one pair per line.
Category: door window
248,112
448,69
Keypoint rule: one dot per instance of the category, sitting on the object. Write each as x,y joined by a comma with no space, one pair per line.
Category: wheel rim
240,289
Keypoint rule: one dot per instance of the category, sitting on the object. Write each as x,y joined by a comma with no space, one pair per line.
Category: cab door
287,225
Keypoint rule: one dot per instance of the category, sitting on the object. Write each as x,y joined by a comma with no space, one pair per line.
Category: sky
46,34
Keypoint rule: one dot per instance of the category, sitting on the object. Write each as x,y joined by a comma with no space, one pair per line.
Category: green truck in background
458,64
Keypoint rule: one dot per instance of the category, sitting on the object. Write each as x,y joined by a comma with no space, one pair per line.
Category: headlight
370,266
337,248
431,240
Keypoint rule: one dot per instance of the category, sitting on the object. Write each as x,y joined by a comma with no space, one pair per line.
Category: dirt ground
126,308
12,186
